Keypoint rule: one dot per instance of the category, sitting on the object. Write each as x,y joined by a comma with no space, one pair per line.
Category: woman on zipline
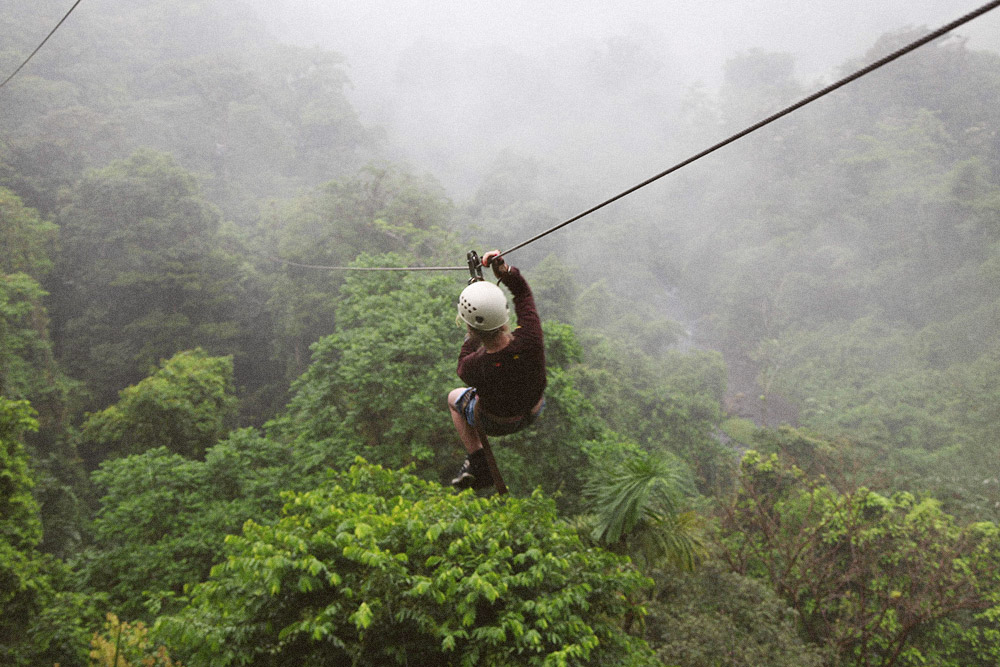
504,369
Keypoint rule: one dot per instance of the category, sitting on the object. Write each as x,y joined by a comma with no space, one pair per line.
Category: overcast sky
701,35
426,71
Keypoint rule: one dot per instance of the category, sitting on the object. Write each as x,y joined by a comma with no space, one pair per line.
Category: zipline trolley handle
475,266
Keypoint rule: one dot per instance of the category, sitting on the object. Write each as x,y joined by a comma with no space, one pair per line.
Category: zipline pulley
475,266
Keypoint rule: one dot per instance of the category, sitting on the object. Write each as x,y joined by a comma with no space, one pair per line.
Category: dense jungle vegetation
773,417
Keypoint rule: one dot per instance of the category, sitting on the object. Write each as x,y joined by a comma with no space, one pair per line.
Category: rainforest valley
772,429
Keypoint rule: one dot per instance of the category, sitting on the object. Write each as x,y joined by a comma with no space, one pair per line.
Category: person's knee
453,397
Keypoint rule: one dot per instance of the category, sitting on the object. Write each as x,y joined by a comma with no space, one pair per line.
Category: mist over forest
771,434
591,88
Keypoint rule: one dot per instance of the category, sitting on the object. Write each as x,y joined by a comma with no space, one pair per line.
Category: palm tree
634,507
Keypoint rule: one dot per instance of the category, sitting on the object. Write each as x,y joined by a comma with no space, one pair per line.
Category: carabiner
475,266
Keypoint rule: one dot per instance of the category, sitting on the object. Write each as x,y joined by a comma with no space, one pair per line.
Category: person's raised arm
494,260
524,302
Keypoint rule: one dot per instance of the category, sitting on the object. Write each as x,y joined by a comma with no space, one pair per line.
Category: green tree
379,210
950,80
29,370
964,474
26,238
376,567
849,285
163,518
377,386
882,580
210,85
143,271
508,205
27,365
20,526
617,316
25,351
670,403
41,620
554,289
186,406
636,505
716,617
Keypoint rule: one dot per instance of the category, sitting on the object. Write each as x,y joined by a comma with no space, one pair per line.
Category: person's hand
493,258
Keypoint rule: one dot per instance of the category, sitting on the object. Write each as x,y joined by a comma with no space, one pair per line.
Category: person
504,369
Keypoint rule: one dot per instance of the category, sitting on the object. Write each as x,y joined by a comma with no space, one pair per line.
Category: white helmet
483,306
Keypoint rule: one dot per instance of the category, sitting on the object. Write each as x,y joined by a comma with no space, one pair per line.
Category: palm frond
673,538
639,489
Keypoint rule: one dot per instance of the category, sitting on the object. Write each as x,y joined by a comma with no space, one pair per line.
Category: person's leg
466,432
474,472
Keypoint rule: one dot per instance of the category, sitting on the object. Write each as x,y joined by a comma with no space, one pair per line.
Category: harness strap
490,461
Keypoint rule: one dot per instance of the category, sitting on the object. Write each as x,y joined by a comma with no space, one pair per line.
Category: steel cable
38,48
770,119
367,268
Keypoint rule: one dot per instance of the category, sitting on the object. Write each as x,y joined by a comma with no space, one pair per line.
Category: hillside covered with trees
771,433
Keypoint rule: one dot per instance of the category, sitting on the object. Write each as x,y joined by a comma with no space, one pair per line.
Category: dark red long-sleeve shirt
509,382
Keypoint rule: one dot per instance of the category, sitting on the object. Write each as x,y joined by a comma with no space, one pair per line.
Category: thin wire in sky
37,48
929,37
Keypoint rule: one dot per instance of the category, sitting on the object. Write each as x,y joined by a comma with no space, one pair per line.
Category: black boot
474,473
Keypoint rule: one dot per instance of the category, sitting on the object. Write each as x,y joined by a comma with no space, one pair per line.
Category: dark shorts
466,405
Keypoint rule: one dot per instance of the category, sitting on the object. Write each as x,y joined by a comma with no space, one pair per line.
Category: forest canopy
771,417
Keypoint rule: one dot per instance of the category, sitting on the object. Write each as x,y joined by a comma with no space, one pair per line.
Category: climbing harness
498,482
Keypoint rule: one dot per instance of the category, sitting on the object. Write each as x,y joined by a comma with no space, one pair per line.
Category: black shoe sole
469,481
464,481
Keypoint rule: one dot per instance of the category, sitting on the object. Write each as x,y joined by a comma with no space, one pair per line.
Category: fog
526,116
181,182
453,83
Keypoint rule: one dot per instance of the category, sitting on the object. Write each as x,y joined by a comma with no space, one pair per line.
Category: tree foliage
163,517
42,620
30,370
20,527
716,617
127,644
186,406
668,404
27,364
377,386
27,239
883,580
377,211
204,82
843,266
377,567
144,273
25,351
636,502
